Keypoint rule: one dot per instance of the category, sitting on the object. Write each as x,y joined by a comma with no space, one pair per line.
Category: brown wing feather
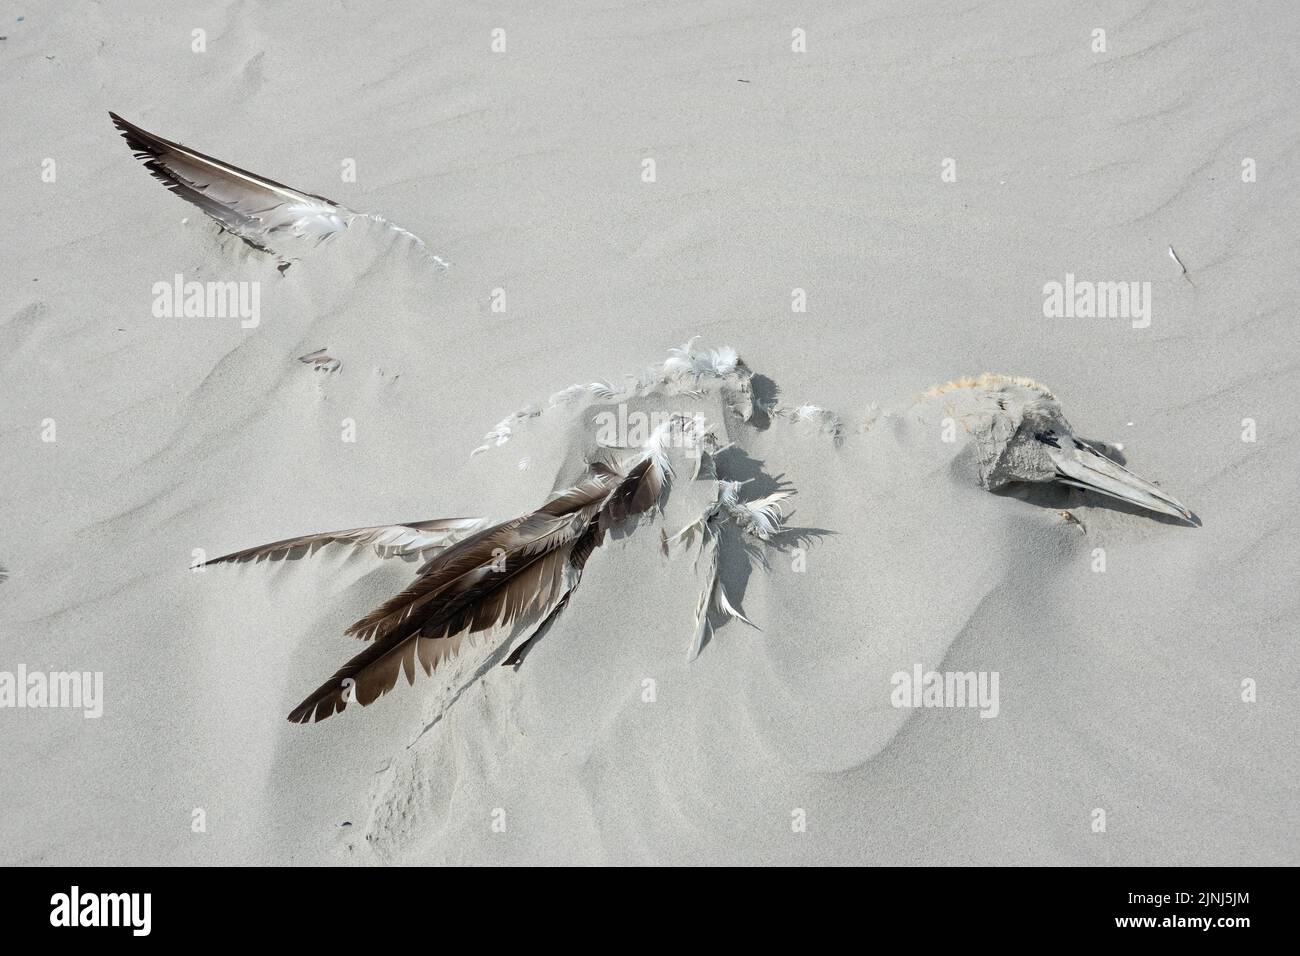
582,550
519,571
463,567
458,568
635,494
529,593
408,537
593,488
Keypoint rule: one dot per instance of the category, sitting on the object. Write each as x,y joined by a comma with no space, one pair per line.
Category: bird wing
474,592
468,571
388,540
519,572
258,210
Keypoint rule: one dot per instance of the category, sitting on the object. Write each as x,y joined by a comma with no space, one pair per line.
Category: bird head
1022,435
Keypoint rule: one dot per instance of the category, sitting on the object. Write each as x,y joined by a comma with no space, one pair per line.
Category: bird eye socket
1047,438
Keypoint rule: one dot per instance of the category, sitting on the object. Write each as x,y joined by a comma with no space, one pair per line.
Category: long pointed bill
1092,471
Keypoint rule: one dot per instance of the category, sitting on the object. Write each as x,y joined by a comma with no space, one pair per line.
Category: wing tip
124,126
315,709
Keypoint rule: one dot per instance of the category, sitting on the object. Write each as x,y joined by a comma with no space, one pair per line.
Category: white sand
1119,690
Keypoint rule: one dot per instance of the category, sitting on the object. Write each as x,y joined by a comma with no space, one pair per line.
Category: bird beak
1092,471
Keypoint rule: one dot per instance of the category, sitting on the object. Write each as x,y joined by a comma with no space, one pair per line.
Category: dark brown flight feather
582,550
519,572
637,493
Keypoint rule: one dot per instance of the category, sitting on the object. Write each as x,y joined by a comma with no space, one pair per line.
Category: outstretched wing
388,540
265,214
517,573
513,573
